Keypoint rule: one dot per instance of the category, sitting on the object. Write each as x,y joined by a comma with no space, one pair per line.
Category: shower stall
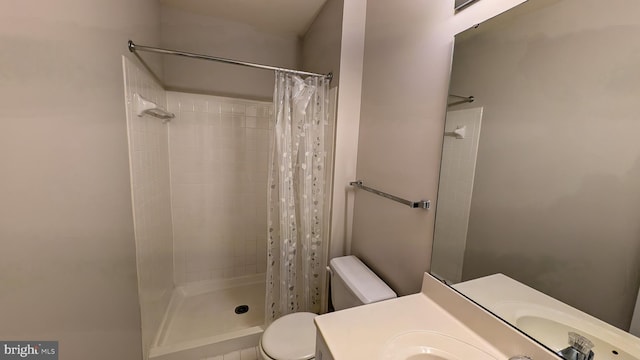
199,178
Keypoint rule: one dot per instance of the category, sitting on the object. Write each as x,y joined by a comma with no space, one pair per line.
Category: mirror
540,176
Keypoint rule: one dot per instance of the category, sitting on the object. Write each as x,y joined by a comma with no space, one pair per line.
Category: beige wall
556,201
321,43
228,39
406,73
68,269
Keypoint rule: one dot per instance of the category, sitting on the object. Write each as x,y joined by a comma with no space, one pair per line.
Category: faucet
579,348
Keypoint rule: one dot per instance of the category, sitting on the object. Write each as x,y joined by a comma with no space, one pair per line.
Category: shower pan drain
241,309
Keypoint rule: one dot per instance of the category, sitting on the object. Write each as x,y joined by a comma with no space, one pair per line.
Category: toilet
293,336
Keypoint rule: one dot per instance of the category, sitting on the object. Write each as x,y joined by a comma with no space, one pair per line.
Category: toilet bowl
293,336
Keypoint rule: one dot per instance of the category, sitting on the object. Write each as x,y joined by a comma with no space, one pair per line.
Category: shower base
201,320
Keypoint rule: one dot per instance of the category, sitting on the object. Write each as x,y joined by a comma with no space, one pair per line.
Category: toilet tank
354,284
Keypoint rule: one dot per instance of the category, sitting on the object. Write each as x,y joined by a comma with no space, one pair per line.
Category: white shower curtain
296,195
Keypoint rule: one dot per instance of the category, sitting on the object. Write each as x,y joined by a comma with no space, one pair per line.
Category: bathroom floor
212,313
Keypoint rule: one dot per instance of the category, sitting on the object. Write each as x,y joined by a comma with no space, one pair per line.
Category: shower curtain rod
134,48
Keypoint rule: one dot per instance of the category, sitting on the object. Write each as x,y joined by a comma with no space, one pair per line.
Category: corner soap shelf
143,106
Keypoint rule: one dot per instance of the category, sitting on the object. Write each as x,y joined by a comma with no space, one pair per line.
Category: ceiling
290,16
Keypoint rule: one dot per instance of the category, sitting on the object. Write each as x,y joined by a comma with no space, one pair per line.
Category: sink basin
548,320
551,327
543,328
428,345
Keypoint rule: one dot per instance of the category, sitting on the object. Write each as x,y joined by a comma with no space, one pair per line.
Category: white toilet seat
292,336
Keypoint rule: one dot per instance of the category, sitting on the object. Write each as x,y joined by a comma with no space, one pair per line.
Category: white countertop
365,332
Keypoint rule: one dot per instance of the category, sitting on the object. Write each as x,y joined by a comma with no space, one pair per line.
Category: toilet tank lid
364,283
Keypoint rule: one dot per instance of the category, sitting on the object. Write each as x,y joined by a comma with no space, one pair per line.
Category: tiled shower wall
149,165
219,152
